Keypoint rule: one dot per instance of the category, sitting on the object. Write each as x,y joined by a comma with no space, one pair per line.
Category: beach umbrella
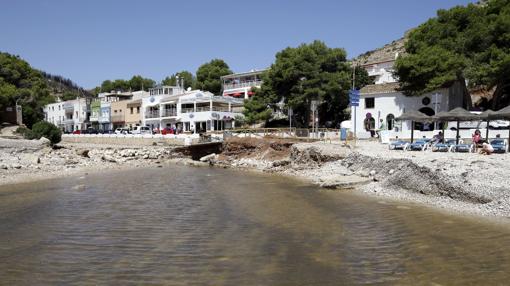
485,116
457,114
414,116
502,114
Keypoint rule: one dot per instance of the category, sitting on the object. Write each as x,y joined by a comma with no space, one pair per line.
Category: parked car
122,131
167,130
141,130
77,132
91,130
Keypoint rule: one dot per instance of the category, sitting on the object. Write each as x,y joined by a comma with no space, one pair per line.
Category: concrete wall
145,140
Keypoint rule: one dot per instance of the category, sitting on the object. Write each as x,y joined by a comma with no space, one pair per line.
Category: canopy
457,114
500,114
414,116
486,114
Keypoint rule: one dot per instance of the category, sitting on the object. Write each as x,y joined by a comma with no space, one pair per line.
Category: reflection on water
182,226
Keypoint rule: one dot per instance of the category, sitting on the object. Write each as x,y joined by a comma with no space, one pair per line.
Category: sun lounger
420,145
461,147
399,145
499,145
443,147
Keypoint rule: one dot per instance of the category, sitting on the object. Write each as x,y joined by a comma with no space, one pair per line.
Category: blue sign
354,97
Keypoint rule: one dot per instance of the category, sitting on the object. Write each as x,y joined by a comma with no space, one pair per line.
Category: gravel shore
32,160
456,182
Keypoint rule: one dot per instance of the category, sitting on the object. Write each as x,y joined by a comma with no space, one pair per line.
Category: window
369,102
138,109
131,110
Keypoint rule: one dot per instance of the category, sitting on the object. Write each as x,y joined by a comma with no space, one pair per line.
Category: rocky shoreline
464,183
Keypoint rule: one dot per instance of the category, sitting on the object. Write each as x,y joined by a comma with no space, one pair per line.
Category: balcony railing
169,112
220,109
203,108
187,110
118,118
242,84
152,114
68,121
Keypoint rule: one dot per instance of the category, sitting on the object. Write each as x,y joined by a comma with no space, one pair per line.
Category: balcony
152,114
118,118
220,109
256,83
68,106
187,110
169,112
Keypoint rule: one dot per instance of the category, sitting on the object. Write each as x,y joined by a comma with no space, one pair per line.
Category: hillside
64,88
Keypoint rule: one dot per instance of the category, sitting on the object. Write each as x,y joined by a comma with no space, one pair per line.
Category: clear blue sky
89,41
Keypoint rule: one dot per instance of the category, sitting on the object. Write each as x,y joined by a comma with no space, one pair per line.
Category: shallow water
201,226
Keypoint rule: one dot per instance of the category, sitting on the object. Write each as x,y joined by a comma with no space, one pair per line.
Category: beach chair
420,145
461,147
499,145
443,147
398,145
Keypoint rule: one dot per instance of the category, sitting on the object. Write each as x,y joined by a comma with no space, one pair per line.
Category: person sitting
438,138
487,149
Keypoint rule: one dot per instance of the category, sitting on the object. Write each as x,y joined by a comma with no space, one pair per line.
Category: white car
122,131
141,130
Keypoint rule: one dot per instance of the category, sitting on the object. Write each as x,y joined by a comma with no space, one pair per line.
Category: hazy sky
93,40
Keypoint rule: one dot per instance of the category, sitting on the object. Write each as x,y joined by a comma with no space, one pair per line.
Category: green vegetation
300,75
42,129
64,88
466,44
208,75
20,82
189,79
137,82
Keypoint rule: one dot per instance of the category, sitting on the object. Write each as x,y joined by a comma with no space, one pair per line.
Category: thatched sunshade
485,116
502,114
414,116
457,114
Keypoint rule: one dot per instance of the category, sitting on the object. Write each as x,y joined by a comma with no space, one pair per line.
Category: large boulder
45,141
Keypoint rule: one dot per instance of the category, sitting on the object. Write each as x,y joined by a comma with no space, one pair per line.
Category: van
141,130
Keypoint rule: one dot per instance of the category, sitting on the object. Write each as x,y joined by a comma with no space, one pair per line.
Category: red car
166,131
77,132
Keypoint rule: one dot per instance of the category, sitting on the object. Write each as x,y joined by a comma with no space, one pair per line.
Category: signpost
354,95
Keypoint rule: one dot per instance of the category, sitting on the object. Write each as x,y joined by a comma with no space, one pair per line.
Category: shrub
22,131
44,129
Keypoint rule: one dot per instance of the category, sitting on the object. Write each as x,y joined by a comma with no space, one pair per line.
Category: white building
68,115
381,102
190,111
240,84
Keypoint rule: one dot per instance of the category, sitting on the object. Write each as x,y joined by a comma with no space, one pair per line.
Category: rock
281,163
4,167
45,141
339,182
83,153
145,156
108,159
16,166
208,158
372,173
391,172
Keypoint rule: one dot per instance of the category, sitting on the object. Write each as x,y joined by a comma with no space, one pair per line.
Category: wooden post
412,131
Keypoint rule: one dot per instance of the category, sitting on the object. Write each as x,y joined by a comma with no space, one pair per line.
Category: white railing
203,108
169,112
242,84
152,114
220,109
187,110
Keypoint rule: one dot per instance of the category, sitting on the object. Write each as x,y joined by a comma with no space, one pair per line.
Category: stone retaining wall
124,140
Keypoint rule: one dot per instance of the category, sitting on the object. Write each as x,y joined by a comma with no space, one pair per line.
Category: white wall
394,103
